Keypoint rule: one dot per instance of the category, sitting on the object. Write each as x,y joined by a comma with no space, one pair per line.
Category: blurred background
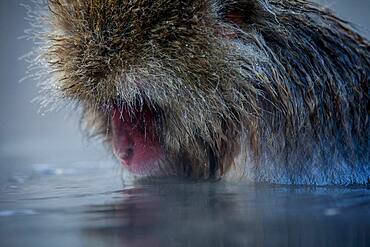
26,136
29,137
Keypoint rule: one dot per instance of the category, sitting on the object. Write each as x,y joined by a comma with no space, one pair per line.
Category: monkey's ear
244,12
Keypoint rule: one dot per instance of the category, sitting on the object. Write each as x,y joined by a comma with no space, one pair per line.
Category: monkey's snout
135,140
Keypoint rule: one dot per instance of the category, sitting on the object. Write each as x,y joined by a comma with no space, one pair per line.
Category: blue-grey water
55,190
87,204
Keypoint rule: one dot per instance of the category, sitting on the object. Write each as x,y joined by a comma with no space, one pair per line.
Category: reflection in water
90,206
217,214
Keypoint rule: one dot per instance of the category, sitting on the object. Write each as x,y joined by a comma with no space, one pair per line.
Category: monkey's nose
136,147
127,154
123,141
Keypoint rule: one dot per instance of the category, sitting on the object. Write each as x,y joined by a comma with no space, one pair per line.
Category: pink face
135,140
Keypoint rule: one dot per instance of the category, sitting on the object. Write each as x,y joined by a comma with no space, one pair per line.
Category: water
89,204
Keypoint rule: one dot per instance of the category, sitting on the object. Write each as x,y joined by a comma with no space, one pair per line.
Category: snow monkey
271,90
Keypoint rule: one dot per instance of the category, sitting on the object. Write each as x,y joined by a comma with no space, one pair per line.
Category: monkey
273,91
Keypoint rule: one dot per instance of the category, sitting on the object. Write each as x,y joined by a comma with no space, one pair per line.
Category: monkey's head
170,84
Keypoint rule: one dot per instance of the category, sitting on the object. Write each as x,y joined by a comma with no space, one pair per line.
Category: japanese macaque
271,90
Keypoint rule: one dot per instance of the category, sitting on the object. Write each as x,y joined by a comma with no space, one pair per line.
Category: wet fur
276,90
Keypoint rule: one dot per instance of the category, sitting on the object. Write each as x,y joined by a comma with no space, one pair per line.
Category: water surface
88,204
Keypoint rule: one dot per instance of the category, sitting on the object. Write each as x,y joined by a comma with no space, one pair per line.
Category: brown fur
281,84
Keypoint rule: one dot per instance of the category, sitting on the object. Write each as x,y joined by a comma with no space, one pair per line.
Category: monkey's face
163,81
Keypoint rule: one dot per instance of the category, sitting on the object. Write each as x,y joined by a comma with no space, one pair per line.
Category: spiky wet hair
283,82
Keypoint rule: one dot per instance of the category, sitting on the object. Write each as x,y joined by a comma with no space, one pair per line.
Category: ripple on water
20,212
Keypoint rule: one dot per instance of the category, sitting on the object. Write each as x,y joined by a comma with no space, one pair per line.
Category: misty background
28,137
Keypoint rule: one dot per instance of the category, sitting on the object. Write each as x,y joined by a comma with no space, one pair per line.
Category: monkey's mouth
135,139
